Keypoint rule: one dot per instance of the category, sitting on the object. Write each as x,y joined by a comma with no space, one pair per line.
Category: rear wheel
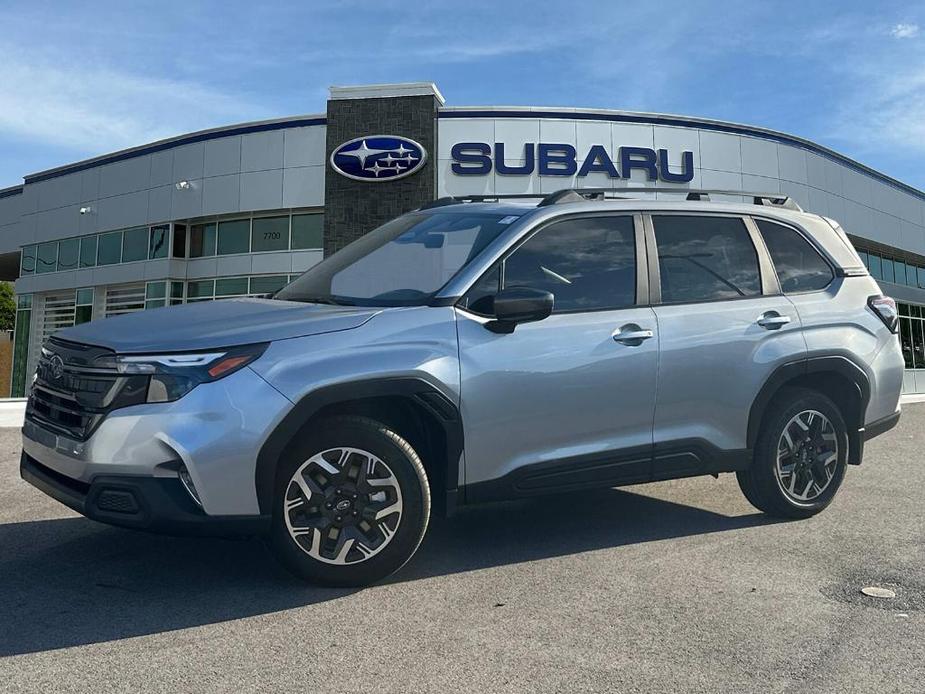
800,456
351,503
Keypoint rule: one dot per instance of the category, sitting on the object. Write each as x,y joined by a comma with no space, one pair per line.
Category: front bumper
142,503
215,432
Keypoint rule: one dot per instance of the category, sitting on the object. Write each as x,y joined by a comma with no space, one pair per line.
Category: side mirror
519,305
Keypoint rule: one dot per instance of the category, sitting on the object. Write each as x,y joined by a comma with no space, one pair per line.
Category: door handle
772,320
631,335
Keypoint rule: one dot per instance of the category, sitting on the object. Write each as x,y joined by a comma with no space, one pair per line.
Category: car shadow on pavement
70,581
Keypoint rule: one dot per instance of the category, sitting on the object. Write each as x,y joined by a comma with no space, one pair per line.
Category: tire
351,503
809,433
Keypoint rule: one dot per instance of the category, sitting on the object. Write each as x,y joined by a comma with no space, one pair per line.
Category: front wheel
801,456
351,503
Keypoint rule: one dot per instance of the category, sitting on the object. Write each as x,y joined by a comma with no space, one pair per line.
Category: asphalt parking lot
679,586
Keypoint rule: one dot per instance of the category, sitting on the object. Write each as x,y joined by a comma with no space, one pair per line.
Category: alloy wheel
807,456
343,506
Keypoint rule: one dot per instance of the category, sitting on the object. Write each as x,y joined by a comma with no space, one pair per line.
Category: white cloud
887,108
92,110
905,31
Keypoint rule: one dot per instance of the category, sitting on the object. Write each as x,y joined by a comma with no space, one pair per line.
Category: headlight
171,376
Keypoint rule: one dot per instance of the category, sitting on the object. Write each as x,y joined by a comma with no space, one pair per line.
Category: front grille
76,386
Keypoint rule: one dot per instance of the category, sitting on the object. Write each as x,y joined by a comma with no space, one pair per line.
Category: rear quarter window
799,266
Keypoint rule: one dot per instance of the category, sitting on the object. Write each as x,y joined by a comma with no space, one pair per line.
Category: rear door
723,326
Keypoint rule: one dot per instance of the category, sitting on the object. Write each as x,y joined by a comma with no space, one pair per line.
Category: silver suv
476,350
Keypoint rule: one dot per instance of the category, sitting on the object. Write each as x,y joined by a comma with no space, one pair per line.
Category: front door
567,401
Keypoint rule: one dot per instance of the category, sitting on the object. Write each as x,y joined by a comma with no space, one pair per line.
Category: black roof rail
578,194
567,195
482,197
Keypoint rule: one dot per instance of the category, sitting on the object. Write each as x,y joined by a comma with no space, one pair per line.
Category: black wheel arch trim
881,426
838,364
417,390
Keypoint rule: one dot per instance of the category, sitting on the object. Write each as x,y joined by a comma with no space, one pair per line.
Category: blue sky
82,79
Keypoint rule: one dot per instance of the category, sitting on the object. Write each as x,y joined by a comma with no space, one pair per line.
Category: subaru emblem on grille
56,363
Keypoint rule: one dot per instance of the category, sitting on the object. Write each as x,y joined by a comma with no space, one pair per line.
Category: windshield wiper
329,300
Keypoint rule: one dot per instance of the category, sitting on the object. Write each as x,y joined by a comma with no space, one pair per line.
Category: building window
200,290
109,251
83,311
270,234
134,244
231,286
159,242
179,240
234,237
156,295
88,251
176,293
874,267
46,257
912,335
68,252
202,240
886,269
27,261
307,231
21,345
268,284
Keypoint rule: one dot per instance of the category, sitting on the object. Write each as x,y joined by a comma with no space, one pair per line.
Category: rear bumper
155,504
880,426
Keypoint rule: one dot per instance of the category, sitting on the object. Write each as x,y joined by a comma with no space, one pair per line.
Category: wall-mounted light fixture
86,210
183,185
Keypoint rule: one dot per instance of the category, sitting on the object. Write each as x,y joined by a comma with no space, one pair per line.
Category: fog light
188,485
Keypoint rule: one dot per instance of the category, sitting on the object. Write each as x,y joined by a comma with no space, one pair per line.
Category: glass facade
228,287
912,342
21,345
301,231
888,268
246,234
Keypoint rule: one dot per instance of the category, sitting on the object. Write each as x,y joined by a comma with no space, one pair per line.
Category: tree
7,306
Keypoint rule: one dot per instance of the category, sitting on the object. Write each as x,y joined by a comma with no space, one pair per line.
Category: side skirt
664,461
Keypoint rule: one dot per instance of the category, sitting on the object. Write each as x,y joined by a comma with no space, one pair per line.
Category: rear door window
703,258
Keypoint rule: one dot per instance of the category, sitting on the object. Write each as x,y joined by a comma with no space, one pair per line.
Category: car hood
212,324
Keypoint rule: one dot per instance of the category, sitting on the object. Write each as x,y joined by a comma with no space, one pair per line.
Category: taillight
885,309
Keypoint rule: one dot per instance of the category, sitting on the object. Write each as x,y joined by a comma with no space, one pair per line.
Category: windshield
402,263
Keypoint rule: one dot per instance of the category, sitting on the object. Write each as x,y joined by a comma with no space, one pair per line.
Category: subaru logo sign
56,364
378,158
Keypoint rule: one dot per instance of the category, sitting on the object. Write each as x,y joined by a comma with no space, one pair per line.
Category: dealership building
240,210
